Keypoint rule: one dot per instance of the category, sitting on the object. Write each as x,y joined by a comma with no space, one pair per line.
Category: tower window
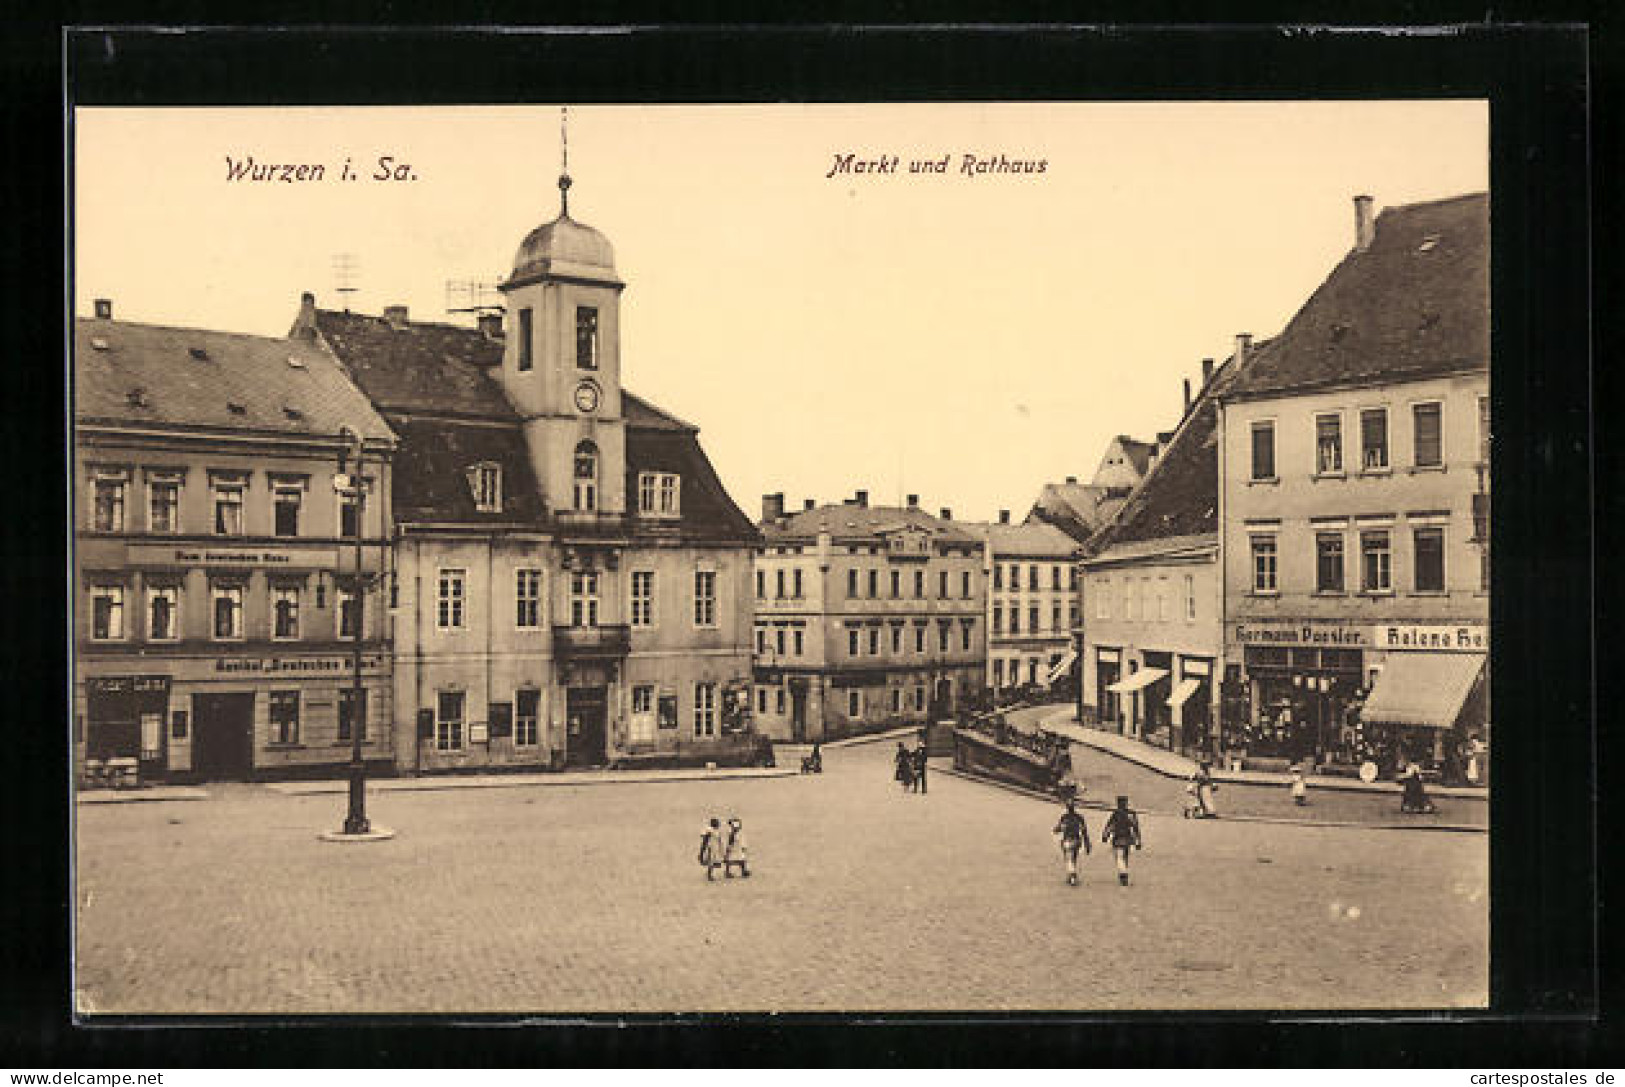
526,359
586,477
587,337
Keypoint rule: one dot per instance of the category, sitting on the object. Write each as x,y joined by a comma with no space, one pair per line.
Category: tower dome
564,246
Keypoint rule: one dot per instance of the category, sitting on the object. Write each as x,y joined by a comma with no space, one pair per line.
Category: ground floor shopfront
211,716
814,705
1164,697
1338,695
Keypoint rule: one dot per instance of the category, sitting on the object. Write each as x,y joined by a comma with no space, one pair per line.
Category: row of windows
1427,440
111,490
854,582
1033,575
793,638
1033,616
451,710
451,599
783,587
1145,598
110,605
855,640
1035,670
1376,561
586,338
284,715
856,704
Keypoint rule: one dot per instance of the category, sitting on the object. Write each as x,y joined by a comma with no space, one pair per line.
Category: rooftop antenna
564,171
346,270
476,296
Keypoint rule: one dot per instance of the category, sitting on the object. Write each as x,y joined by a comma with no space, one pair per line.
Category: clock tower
561,366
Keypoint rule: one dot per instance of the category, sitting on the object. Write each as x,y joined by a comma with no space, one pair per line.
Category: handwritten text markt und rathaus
968,165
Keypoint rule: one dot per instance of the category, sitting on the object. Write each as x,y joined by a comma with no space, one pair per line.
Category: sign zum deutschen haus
170,555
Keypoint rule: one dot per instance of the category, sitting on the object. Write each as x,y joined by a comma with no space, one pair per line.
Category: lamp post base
372,834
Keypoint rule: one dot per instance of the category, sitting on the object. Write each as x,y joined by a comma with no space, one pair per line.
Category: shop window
228,507
1429,560
106,612
584,598
643,598
1263,450
1264,564
705,598
163,612
1376,562
228,612
1329,562
586,337
705,709
164,505
526,339
108,513
527,706
284,714
586,477
1374,439
450,597
286,498
350,702
527,594
285,612
1426,422
448,721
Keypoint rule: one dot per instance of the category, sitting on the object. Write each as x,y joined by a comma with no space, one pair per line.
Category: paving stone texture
589,899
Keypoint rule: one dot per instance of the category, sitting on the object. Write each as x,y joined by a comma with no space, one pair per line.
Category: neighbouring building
1355,503
1082,509
1153,639
215,617
573,578
866,617
1032,603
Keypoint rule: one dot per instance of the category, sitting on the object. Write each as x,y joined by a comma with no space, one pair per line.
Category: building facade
216,621
1355,454
866,617
1032,603
574,580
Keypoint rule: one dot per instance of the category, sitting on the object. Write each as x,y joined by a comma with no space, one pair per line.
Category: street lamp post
356,822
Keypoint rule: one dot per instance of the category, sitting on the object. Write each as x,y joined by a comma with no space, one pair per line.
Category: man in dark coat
1122,833
1073,834
919,767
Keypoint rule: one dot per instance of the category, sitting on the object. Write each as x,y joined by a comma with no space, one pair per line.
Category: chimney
490,325
1365,225
1244,343
1187,396
946,514
808,503
1071,479
772,507
104,309
1207,372
396,316
913,501
1004,517
860,499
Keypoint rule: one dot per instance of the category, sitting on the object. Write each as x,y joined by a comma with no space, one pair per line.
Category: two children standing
724,847
1121,832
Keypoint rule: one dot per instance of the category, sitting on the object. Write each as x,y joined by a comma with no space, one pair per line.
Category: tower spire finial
564,174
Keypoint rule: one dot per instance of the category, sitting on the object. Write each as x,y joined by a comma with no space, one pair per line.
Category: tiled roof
862,522
642,415
154,374
1035,539
1414,304
432,465
424,367
1130,550
1077,509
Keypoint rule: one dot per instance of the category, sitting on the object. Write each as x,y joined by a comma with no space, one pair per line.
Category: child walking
1121,832
734,851
1073,834
1300,790
712,850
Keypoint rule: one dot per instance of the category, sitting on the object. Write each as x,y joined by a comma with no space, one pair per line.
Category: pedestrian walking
1122,833
1073,834
712,849
1300,790
905,767
734,850
919,767
1205,788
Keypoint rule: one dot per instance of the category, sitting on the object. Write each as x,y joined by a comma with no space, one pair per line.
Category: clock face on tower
587,397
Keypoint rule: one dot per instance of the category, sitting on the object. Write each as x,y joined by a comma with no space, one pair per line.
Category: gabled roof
868,523
422,367
159,375
1077,509
1414,304
1035,539
1137,452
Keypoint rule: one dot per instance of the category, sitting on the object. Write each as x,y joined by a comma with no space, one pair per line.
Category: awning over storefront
1145,677
1183,690
1062,666
1423,690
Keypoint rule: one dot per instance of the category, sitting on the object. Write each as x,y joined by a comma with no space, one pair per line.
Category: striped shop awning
1135,681
1422,690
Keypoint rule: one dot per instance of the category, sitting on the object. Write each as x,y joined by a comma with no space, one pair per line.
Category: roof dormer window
485,481
659,494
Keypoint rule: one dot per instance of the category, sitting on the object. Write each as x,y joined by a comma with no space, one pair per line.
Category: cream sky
965,338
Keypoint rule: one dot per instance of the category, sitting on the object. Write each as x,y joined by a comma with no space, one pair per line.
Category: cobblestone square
553,899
